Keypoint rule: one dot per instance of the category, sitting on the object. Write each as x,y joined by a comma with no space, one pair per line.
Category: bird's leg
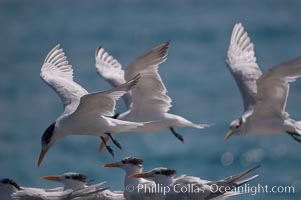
107,146
295,136
177,135
102,145
114,141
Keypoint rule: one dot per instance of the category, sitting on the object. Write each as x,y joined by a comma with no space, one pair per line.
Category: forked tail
231,182
296,134
200,126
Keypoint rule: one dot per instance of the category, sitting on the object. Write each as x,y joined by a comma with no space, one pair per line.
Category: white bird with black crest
80,183
148,101
193,188
132,165
7,188
10,190
70,180
84,113
264,94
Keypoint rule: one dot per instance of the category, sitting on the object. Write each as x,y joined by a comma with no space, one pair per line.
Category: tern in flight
147,101
200,189
84,113
264,94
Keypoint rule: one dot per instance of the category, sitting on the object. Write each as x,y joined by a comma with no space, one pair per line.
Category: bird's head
235,128
8,187
47,140
70,180
158,174
129,164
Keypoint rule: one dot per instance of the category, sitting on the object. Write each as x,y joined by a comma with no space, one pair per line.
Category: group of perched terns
138,185
264,97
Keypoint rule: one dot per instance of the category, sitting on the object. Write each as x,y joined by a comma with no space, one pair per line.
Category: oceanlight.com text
214,188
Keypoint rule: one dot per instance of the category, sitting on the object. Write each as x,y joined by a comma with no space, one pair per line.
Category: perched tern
84,113
198,189
10,190
133,165
7,188
148,101
70,180
264,94
79,183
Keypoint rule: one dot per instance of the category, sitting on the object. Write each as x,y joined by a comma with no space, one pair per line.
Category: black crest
169,172
11,182
133,161
48,134
165,171
77,176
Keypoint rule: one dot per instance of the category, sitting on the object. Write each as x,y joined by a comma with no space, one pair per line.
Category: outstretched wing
241,62
273,88
110,69
103,103
149,96
58,74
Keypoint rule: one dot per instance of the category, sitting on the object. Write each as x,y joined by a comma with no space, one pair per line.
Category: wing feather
58,74
103,103
273,88
110,69
241,62
149,95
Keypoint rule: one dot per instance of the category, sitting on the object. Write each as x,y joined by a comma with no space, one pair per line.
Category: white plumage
82,190
85,113
264,95
193,188
10,190
148,101
133,165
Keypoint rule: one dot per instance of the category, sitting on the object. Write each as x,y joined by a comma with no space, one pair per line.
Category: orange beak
114,164
229,134
42,155
52,178
141,175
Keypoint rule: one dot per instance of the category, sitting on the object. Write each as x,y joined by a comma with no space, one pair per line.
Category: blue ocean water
195,75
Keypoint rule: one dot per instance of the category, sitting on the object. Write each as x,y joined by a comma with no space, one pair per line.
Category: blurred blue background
195,75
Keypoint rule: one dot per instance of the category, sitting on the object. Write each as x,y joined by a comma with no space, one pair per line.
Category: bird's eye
67,177
237,126
157,172
123,162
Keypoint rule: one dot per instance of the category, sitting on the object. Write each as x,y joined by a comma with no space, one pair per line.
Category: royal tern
10,190
264,95
189,187
7,188
133,165
148,101
79,183
70,180
84,113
